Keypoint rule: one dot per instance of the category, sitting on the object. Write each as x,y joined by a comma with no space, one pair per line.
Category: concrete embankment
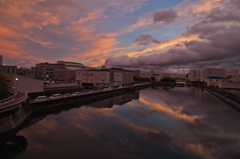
228,101
86,97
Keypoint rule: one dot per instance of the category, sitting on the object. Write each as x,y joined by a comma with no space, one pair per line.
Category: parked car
105,89
76,93
92,91
55,96
67,95
41,98
109,88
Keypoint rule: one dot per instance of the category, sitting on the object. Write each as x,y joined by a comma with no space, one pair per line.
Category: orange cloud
164,109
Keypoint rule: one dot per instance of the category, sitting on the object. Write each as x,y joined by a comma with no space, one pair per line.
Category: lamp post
16,83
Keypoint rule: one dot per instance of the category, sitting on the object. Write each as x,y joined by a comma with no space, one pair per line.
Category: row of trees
165,79
3,87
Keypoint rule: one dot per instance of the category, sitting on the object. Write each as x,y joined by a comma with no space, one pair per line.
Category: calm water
153,123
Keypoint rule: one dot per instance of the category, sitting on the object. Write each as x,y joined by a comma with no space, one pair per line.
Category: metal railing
13,100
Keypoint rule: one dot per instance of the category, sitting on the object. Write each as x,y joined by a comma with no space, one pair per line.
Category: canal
152,123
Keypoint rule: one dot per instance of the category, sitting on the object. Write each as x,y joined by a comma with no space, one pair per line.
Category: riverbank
87,96
225,99
167,84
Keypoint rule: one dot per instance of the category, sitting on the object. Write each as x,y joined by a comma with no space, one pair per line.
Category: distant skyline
169,36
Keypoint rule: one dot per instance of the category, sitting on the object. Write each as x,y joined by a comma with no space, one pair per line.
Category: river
173,123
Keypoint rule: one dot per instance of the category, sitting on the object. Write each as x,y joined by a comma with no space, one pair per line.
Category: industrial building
105,77
59,71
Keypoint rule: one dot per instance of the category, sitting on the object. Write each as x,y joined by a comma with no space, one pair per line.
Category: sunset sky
165,35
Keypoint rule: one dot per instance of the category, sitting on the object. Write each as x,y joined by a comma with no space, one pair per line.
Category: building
60,71
45,70
151,72
105,77
213,72
63,74
8,69
118,77
194,75
1,60
233,76
127,75
157,76
136,72
214,81
96,78
161,75
24,71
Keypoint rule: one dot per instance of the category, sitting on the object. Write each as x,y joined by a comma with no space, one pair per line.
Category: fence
14,99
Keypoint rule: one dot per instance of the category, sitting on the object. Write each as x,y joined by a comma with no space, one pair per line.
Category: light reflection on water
157,123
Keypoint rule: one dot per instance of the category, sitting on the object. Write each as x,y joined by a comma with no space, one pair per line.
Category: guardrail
13,100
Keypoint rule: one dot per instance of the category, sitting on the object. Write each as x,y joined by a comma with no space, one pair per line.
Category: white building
118,79
106,77
213,72
94,77
194,75
214,81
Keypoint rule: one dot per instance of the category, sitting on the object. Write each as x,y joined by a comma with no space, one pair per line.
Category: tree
152,78
168,79
3,87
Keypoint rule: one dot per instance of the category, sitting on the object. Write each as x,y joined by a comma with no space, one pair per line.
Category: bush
168,79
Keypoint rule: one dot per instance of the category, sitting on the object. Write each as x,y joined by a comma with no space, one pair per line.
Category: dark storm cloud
219,46
219,34
166,16
146,40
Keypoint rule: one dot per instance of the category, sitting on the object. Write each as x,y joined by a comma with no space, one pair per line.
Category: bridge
14,101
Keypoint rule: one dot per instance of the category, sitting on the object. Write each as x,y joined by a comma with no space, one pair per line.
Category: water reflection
173,123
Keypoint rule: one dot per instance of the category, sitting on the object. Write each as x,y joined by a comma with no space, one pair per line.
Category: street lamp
16,83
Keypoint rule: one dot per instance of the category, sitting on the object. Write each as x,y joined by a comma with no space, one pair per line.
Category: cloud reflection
209,129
